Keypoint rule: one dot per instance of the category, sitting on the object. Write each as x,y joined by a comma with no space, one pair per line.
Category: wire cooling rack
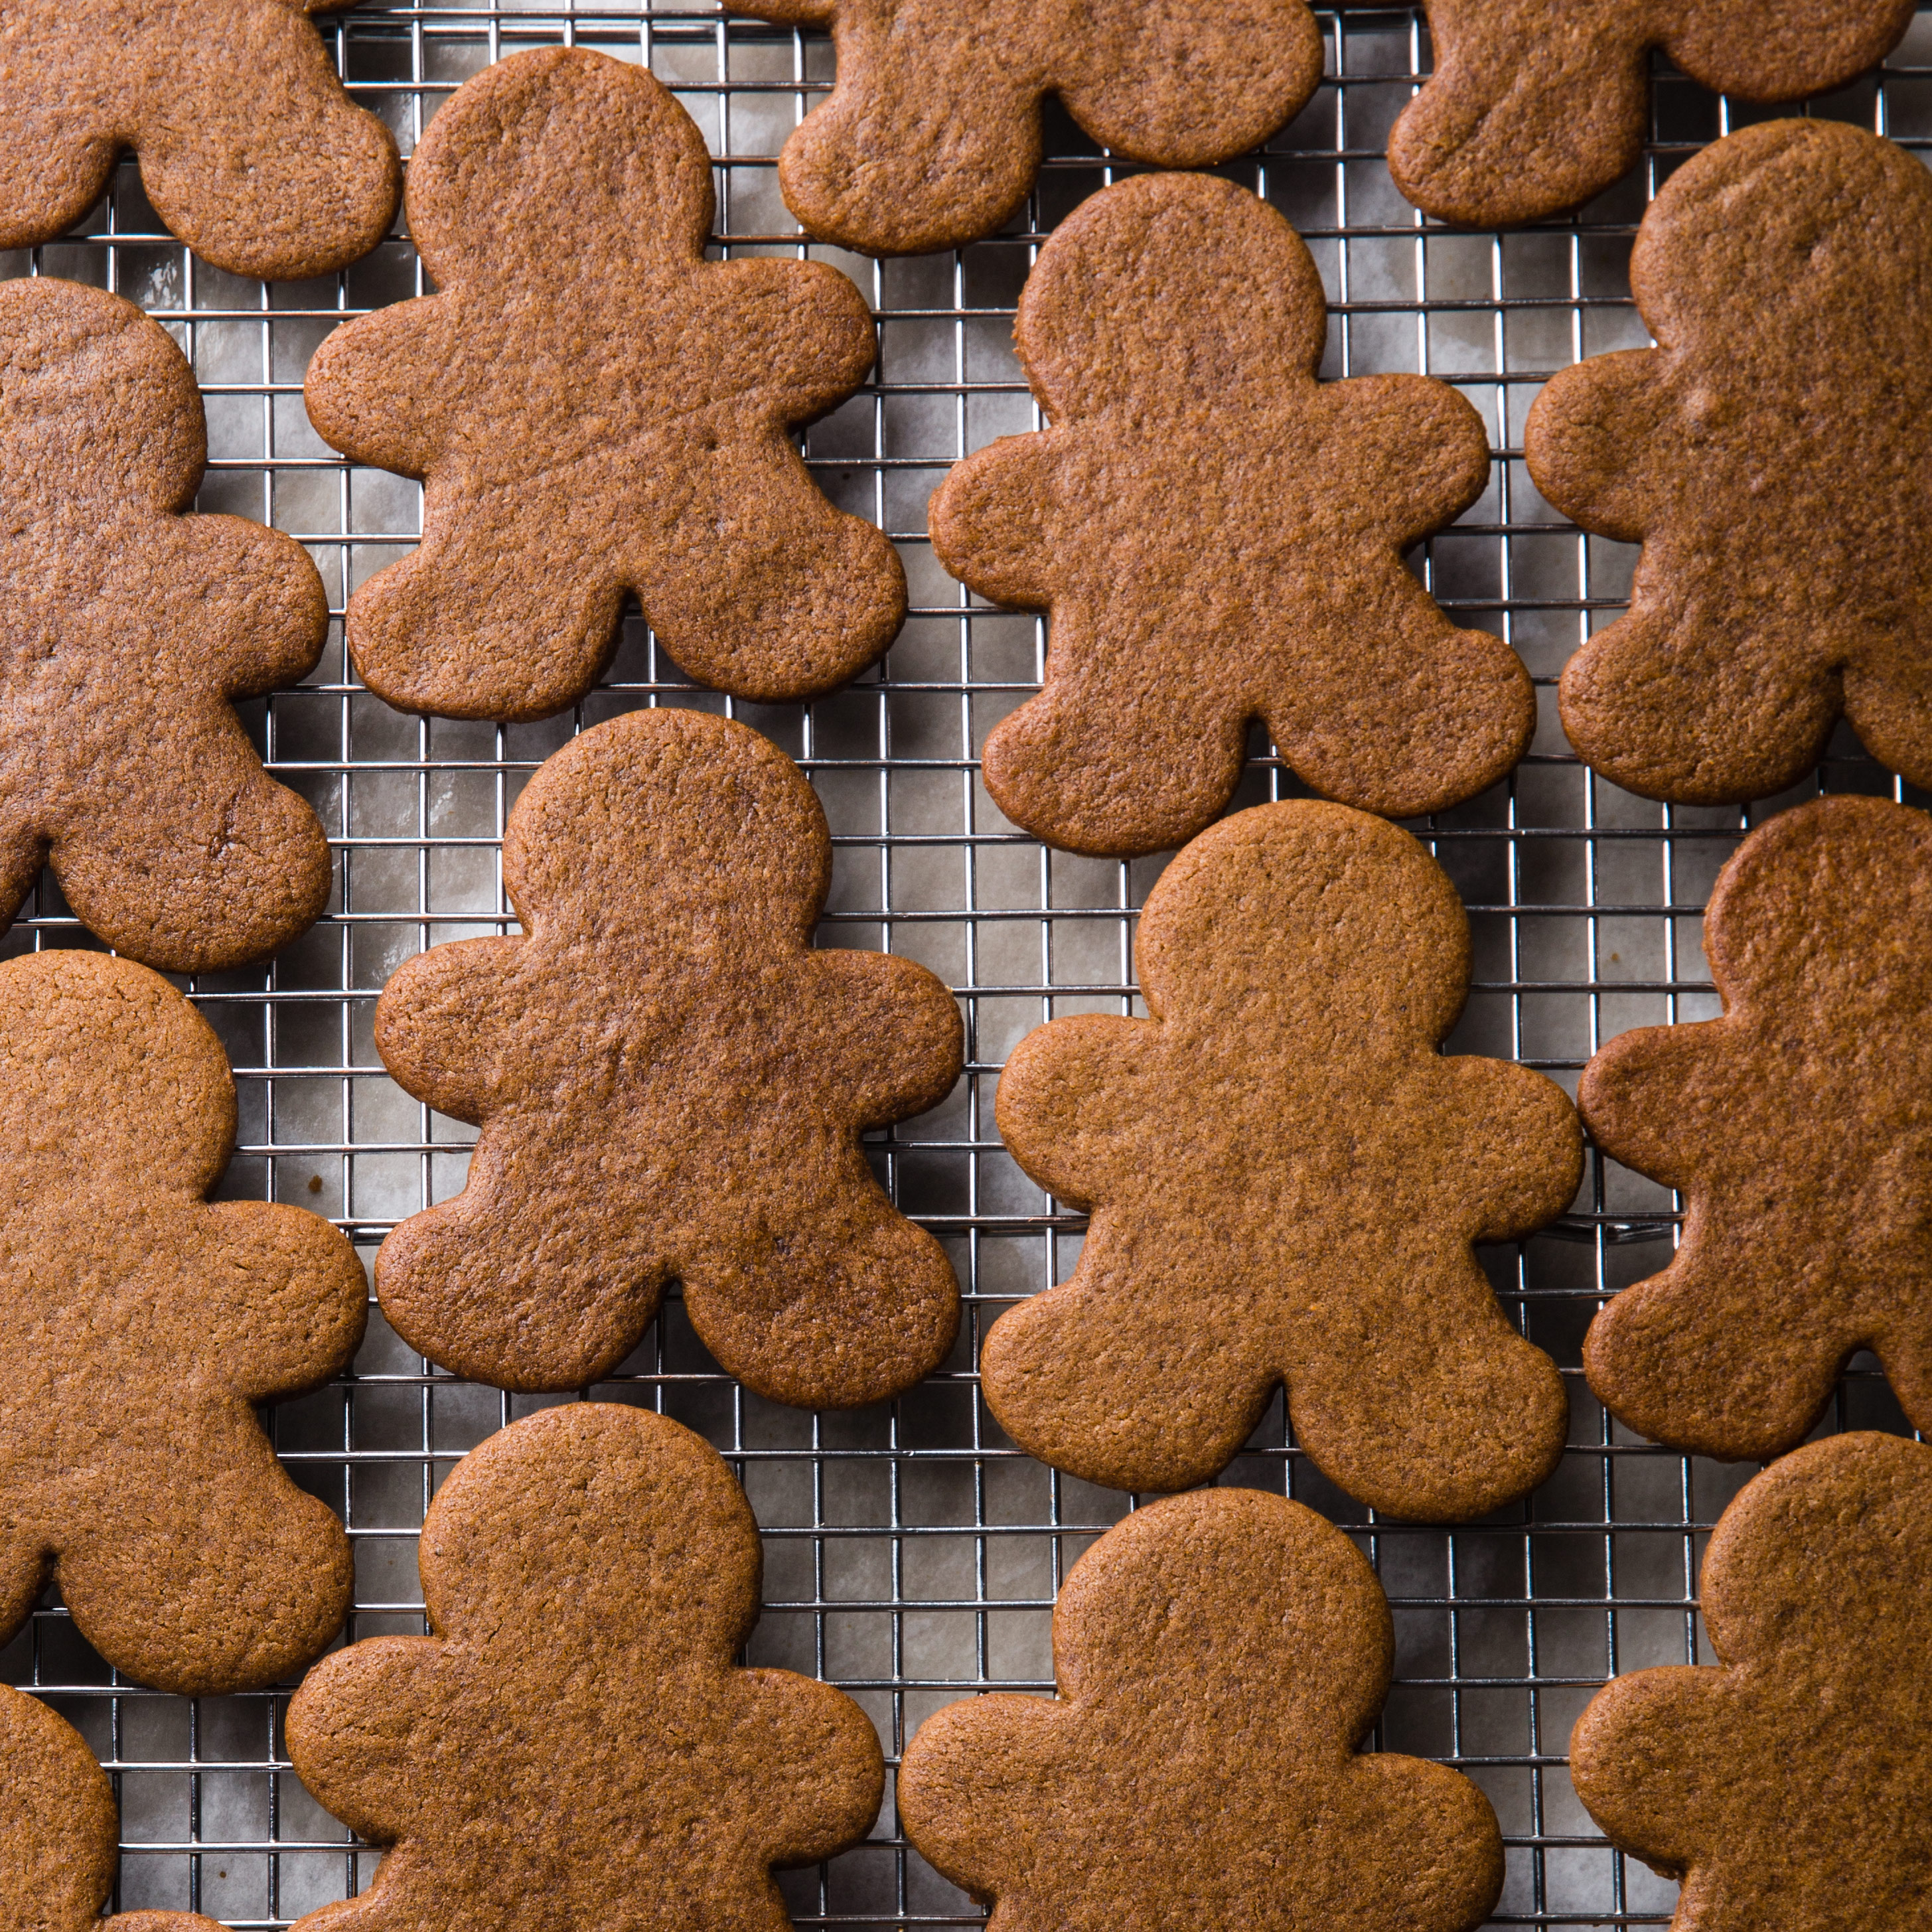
912,1555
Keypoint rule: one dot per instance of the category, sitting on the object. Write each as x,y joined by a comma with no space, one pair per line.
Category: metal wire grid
912,1554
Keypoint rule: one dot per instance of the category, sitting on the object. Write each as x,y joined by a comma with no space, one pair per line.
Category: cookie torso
1220,1655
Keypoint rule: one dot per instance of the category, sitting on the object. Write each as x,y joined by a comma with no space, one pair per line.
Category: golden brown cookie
130,627
1220,1656
1285,1179
1786,1788
60,1830
1219,537
250,150
595,408
671,1083
1535,107
575,1742
1798,1127
1773,457
931,136
141,1325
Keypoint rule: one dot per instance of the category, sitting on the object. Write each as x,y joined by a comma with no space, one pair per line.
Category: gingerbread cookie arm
894,1037
974,1781
377,388
1887,690
1074,1102
1655,1098
56,155
1511,1150
1119,1378
1528,112
1184,87
1647,1758
360,1728
1791,48
798,335
446,1026
286,1290
812,1756
989,520
255,595
1591,442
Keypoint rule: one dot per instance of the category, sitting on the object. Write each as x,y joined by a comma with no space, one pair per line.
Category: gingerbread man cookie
671,1082
1534,108
1220,1656
139,1326
1773,456
932,136
1798,1127
1787,1787
250,150
594,409
575,1741
60,1830
1219,537
1285,1178
131,626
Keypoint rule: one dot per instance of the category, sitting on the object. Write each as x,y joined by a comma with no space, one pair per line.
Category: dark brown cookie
1285,1179
1787,1788
1534,107
60,1830
130,629
1219,537
1799,1129
1220,1658
1772,455
595,408
250,150
141,1324
931,136
575,1741
671,1083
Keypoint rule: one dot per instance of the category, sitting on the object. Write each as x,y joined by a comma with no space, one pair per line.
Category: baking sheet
911,1555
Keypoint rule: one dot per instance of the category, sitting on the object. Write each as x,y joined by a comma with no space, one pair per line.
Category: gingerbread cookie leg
54,166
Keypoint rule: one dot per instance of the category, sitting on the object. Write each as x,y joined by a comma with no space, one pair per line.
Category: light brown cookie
1773,457
250,150
130,627
575,1746
931,136
1220,1656
1285,1179
1787,1788
139,1323
1799,1129
594,409
1219,537
60,1830
1534,108
671,1083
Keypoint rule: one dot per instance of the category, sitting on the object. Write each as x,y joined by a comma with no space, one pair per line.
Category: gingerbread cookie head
575,1736
139,1325
1798,1128
1285,1179
131,627
59,1831
1787,1787
1220,1656
1533,109
671,1083
1219,537
931,136
595,409
250,151
1770,455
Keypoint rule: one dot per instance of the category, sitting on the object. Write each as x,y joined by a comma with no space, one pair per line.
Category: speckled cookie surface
129,628
1773,457
139,1323
1787,1787
1534,108
574,1746
594,409
1284,1180
59,1831
671,1083
1798,1127
1220,1657
250,151
932,135
1218,536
